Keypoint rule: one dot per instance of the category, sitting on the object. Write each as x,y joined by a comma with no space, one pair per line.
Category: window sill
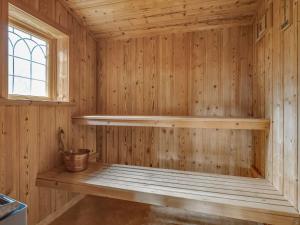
13,102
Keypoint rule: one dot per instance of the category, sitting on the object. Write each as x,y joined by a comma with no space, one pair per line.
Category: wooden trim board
174,122
250,199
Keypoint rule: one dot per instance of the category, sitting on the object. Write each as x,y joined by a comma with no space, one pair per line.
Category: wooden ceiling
129,18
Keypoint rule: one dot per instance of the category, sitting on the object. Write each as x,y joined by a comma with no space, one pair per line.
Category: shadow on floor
103,211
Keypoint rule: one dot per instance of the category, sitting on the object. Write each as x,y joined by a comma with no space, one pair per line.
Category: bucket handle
61,137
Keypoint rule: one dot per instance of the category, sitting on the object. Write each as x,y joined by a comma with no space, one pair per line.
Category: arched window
28,63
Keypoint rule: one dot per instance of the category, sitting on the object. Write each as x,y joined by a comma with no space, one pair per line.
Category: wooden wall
205,73
276,97
28,137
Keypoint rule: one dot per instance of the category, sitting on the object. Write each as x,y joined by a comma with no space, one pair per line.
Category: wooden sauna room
153,112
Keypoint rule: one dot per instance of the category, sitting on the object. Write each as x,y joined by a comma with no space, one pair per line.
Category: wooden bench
173,122
251,199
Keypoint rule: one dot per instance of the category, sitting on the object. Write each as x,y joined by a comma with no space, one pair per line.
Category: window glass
27,63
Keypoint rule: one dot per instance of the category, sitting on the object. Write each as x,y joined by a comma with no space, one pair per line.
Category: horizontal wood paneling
28,138
128,18
206,73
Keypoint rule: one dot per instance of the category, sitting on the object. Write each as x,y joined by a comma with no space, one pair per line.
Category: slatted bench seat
251,199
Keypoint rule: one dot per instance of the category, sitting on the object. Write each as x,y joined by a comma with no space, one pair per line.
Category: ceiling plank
126,18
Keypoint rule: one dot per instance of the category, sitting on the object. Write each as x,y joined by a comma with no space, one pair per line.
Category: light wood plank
125,182
173,122
179,68
123,19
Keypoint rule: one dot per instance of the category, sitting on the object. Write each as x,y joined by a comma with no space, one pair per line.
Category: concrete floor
103,211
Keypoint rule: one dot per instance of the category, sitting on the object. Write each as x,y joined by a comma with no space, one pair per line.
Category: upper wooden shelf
174,122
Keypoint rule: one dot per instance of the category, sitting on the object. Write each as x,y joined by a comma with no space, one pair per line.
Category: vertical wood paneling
47,8
62,120
61,14
28,138
112,150
11,130
290,81
150,90
76,74
207,73
268,61
29,158
3,165
9,151
196,96
82,100
298,78
259,105
180,103
212,104
101,97
138,149
47,159
276,97
91,92
278,105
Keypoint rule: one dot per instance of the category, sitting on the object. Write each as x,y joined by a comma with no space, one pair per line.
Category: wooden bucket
76,161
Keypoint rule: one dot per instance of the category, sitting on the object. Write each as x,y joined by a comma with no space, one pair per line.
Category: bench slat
236,197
